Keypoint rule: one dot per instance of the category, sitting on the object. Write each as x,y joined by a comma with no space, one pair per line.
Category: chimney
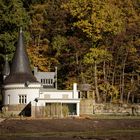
75,92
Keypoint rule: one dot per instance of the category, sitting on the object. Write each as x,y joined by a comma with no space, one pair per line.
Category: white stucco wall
42,102
57,94
14,90
11,95
60,94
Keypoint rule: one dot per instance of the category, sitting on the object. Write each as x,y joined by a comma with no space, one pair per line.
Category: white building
35,95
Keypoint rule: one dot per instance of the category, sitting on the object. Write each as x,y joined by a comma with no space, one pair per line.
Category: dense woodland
90,41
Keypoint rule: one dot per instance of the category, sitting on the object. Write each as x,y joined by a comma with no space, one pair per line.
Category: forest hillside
90,41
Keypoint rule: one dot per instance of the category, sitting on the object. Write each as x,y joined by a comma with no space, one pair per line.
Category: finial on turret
6,68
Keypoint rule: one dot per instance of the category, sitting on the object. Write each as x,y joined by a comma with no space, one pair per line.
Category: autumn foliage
90,41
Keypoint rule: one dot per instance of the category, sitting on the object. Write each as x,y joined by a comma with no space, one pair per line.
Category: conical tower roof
20,68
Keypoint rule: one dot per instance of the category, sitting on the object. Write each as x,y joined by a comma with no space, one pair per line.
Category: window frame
22,99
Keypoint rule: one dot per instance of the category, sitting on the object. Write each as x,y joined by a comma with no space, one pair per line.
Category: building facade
35,95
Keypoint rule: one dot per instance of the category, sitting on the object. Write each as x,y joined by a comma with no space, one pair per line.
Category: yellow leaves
37,58
40,8
78,8
96,17
137,42
132,50
85,25
109,18
97,55
110,90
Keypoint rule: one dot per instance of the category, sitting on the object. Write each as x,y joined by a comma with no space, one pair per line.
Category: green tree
109,92
126,58
13,16
93,58
55,19
38,48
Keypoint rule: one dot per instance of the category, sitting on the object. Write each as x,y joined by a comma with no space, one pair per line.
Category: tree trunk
104,71
128,95
133,99
111,99
113,76
96,83
114,71
122,87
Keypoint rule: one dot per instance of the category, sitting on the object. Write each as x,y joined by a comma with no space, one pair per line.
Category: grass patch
118,117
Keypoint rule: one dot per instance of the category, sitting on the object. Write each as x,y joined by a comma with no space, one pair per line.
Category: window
47,81
22,99
51,81
8,99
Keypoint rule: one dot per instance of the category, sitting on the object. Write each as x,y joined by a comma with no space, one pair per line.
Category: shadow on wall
26,111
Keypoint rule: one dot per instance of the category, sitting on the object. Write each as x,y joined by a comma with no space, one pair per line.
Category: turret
6,69
20,68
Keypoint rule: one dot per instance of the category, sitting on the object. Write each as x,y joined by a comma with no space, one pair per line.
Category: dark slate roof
6,69
20,68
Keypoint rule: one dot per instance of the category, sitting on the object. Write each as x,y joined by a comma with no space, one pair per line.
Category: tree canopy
92,41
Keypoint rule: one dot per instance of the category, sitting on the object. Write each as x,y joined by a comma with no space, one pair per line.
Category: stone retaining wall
86,106
15,110
116,109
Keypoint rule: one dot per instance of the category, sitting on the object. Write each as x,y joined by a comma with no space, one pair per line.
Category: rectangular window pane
22,99
48,81
19,99
25,100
